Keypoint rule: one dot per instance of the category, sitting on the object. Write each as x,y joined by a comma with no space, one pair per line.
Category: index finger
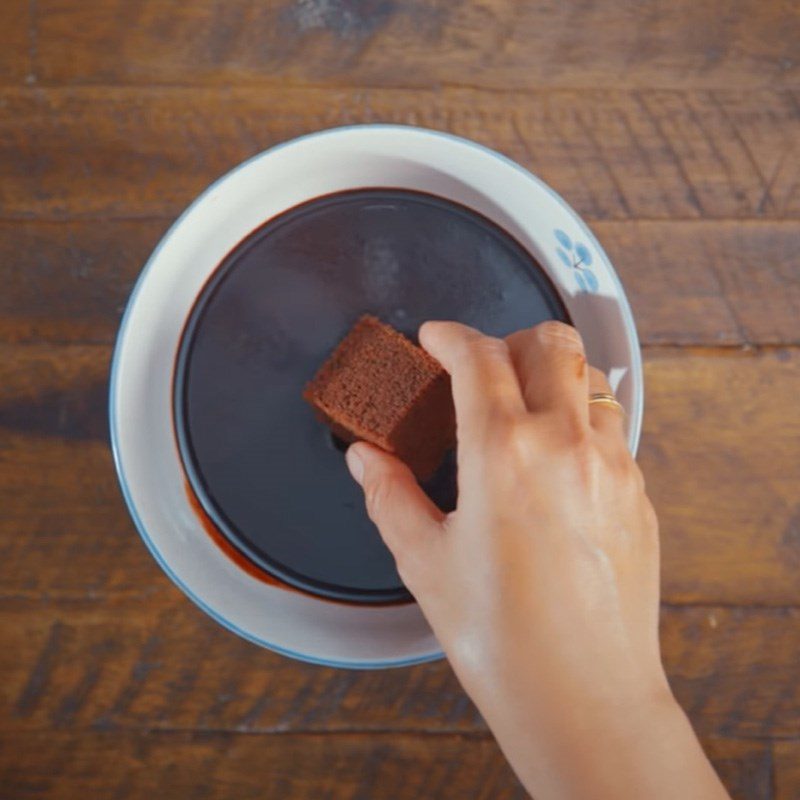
484,381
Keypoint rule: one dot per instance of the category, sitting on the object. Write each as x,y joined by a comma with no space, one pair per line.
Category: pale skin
543,585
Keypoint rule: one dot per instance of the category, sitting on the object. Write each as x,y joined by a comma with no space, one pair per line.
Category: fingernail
354,464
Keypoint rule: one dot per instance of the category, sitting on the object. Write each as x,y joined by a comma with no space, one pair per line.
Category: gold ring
606,399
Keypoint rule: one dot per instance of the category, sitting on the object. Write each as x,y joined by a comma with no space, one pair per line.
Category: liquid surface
264,469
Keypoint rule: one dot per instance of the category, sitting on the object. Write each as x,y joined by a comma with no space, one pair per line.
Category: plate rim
636,367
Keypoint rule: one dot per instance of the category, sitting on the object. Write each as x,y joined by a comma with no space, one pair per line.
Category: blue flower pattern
578,258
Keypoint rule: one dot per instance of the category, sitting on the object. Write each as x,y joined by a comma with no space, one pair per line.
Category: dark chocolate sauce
265,471
241,561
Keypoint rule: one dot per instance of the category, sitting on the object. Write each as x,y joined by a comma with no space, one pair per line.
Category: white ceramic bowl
142,435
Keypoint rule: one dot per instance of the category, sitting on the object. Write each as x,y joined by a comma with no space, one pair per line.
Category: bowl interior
144,442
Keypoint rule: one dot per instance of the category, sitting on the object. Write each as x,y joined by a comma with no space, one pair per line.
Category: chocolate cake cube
378,386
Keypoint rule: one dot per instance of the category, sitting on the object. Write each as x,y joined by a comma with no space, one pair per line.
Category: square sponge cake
378,386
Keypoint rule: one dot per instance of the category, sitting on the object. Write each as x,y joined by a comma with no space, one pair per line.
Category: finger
604,418
407,519
551,364
484,382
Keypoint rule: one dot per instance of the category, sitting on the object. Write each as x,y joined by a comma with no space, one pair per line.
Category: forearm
612,753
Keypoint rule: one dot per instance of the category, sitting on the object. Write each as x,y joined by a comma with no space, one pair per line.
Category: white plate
142,435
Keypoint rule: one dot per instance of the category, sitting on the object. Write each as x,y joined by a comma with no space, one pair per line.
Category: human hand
542,586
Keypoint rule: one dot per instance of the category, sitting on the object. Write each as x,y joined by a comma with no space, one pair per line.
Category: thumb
408,520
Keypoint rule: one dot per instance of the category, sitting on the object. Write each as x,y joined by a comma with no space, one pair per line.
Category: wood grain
696,283
160,663
355,767
744,766
175,766
156,662
69,282
718,664
787,770
497,44
720,460
709,283
144,152
18,42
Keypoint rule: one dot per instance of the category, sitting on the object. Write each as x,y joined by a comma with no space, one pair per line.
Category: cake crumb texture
378,386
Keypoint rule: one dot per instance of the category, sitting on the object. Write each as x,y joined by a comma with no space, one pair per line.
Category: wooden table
672,126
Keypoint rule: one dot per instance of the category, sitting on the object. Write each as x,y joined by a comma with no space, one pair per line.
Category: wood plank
787,770
19,42
60,499
69,282
53,765
499,43
720,455
162,664
719,451
730,668
128,152
707,283
698,283
159,663
222,765
744,767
